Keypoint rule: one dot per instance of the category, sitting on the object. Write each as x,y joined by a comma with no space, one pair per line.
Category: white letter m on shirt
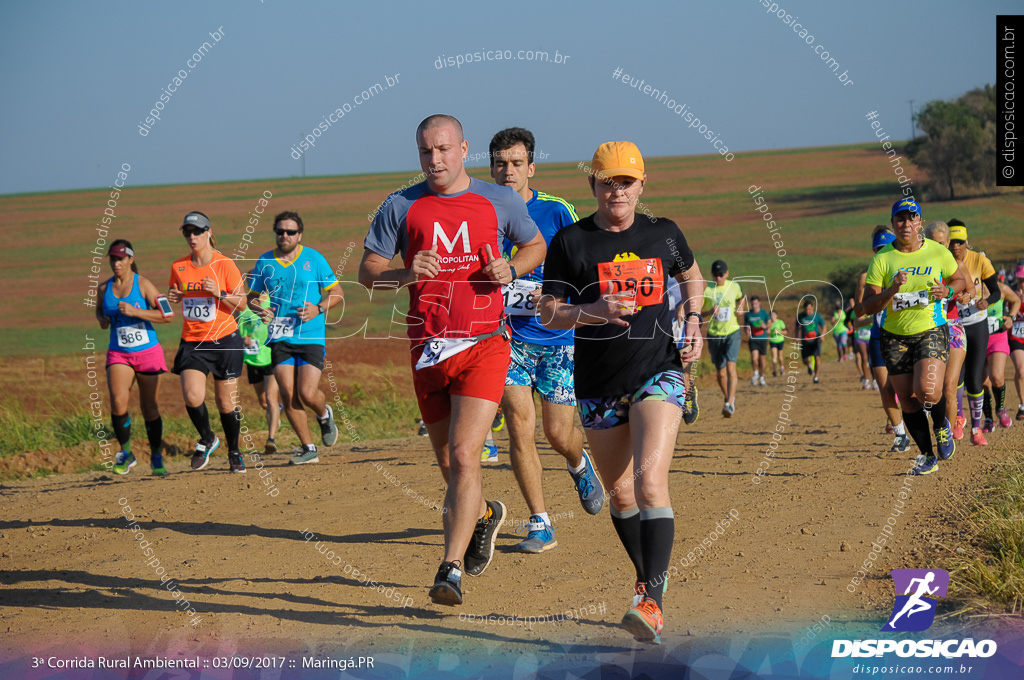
440,234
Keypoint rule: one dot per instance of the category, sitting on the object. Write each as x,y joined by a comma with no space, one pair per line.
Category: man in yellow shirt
723,304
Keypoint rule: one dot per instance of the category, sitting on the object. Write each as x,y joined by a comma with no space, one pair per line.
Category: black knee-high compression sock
200,418
627,526
123,430
1000,395
917,426
232,423
938,412
986,405
155,432
657,531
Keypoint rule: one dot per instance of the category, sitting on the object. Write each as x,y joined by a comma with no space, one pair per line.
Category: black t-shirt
581,261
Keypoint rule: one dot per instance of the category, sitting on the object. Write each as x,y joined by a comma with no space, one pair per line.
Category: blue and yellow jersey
911,311
292,285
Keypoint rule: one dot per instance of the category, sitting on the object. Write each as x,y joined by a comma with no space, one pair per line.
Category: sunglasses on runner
288,232
193,231
956,242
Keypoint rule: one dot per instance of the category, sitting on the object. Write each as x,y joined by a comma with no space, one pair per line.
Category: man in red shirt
449,230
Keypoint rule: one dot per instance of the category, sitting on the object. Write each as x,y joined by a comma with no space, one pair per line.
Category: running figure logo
914,611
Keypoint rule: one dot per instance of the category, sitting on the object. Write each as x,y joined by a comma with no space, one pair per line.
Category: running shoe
958,428
447,587
691,409
816,380
901,444
640,591
989,425
977,438
727,410
944,438
1020,412
157,463
303,457
753,379
235,462
925,465
1004,418
202,455
588,486
328,429
481,546
874,385
540,536
644,621
775,373
489,454
124,461
762,382
810,370
498,422
423,429
270,447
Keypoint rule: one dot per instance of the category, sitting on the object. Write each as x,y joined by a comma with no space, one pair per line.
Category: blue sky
78,78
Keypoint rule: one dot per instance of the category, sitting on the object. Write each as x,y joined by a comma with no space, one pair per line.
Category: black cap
719,268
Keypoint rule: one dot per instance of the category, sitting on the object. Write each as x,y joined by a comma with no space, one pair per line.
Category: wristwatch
512,270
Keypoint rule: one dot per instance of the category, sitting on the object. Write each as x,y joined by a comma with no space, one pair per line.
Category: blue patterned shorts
546,368
607,412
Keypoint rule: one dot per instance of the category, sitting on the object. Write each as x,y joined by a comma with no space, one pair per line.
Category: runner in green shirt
256,355
777,341
758,321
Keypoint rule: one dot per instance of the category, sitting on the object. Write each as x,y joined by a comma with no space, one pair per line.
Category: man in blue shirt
297,279
541,359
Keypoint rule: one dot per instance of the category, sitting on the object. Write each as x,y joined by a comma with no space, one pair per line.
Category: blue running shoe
588,486
156,461
944,436
124,461
489,454
540,536
925,465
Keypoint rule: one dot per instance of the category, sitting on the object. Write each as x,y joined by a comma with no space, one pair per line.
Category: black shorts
1015,344
781,345
761,346
258,373
901,352
810,348
282,352
222,358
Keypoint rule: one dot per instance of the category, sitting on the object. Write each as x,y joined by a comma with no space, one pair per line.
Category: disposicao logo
914,611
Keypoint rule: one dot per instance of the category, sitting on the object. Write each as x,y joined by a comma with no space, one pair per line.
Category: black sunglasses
956,242
193,231
289,232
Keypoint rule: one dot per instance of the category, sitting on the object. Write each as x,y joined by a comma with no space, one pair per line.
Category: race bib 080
202,309
643,276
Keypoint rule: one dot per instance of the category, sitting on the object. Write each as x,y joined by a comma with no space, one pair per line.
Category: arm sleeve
514,219
326,275
384,237
556,271
682,255
876,273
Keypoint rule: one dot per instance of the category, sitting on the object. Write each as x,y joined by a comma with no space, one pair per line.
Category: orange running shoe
958,428
644,621
977,438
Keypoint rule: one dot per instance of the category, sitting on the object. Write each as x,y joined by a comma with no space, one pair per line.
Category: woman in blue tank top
129,309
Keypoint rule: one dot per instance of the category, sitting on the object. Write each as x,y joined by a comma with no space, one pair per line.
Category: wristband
319,309
699,317
951,293
512,270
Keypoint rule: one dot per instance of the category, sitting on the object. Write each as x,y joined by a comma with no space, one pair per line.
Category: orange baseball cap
617,158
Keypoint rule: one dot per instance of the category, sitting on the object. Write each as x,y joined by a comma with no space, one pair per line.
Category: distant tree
958,147
845,280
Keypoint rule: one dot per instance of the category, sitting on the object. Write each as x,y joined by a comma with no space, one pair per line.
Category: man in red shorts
449,230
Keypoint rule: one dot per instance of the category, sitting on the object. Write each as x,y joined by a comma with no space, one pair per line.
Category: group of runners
512,294
264,320
942,324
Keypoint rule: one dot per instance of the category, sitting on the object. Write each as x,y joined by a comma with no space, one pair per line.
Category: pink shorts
997,342
147,361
